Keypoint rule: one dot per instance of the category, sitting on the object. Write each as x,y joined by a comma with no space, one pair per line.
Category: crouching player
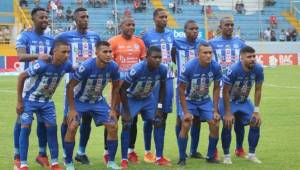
38,84
84,93
237,106
137,96
194,83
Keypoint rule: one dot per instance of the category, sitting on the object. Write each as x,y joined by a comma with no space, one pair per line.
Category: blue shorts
242,111
203,110
45,112
147,107
168,99
99,111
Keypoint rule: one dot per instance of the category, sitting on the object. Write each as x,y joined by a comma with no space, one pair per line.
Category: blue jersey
165,42
82,45
226,51
241,81
34,44
92,80
198,79
43,80
185,51
143,80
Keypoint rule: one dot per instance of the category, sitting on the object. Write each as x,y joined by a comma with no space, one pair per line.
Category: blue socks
195,134
253,138
52,141
213,141
158,138
85,130
240,133
112,146
24,142
182,144
226,140
69,148
17,131
147,134
63,131
177,130
125,138
41,132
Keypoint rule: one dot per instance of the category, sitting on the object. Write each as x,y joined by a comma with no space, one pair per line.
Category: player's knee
178,121
112,131
26,126
158,122
185,125
72,128
213,128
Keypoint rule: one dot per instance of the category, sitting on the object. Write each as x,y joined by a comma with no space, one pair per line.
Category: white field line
277,86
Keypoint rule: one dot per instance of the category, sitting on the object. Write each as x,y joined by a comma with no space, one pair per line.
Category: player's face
161,19
128,27
154,59
227,27
40,20
191,31
61,54
82,19
249,60
104,54
205,54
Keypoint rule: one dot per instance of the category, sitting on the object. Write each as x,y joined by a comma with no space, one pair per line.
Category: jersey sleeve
143,49
115,73
36,68
229,77
113,47
185,74
259,75
81,72
21,41
145,39
131,75
217,72
69,67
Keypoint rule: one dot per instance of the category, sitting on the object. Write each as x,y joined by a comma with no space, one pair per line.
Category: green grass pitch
278,147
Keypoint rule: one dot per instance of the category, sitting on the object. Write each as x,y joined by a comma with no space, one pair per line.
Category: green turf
278,147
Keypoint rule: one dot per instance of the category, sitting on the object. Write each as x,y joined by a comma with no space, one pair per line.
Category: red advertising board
278,59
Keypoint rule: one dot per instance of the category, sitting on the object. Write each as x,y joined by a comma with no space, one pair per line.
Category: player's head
226,27
61,52
191,30
81,18
154,56
248,57
103,52
204,53
40,18
127,26
160,18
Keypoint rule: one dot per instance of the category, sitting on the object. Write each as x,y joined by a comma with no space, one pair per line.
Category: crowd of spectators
5,34
290,34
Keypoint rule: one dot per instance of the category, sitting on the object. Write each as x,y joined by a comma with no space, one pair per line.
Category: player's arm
173,54
70,95
228,118
24,57
21,79
257,97
216,94
115,94
124,100
182,88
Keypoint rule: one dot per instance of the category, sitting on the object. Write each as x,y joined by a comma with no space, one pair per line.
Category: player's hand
45,57
256,119
228,120
72,116
19,107
187,117
113,115
216,116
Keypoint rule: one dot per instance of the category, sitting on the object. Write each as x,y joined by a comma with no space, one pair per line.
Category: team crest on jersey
229,71
210,74
169,39
36,66
183,69
81,69
132,72
136,46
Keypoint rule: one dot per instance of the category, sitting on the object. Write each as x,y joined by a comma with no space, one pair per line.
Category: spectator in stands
69,14
238,32
136,5
240,7
6,34
79,3
273,36
273,21
1,36
23,3
269,2
127,12
267,34
209,11
37,3
110,26
59,14
288,35
49,7
282,35
294,34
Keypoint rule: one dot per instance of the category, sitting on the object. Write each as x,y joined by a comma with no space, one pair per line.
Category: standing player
137,95
226,49
38,84
82,43
84,93
33,45
187,49
164,39
127,50
194,82
237,106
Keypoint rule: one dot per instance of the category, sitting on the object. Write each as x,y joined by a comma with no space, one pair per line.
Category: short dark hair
35,10
79,10
247,49
60,42
153,49
102,43
156,11
222,20
189,22
204,44
126,19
